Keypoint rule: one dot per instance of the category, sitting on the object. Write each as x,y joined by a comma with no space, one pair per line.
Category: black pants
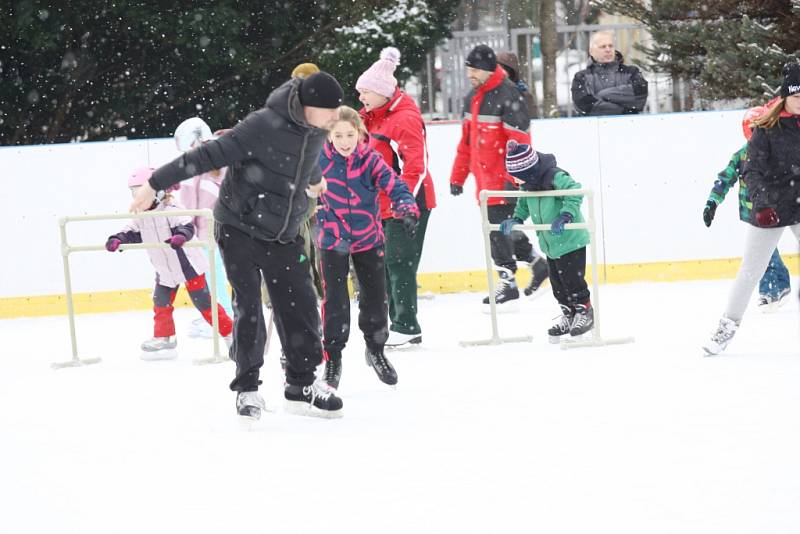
506,248
294,304
568,278
373,308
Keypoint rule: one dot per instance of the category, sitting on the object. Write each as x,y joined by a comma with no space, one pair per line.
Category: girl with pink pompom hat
397,132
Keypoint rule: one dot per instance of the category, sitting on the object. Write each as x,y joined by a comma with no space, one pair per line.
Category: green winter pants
402,260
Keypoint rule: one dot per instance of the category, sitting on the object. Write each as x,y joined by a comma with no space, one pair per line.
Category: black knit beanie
791,79
482,57
321,90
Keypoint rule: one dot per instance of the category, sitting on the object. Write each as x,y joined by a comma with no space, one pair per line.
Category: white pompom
392,54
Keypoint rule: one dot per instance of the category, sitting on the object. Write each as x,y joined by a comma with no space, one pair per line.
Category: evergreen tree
93,69
729,48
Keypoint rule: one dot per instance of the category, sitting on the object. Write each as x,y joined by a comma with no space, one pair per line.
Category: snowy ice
649,437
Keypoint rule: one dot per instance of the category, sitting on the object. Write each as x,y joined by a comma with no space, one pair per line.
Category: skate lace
315,391
580,320
565,321
330,373
724,332
502,284
380,361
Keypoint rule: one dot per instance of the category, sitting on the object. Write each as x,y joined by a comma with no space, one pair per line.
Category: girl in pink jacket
173,268
201,192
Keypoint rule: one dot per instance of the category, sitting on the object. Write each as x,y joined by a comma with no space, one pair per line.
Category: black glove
410,223
456,189
708,212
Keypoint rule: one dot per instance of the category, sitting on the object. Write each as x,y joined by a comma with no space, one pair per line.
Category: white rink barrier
66,250
596,338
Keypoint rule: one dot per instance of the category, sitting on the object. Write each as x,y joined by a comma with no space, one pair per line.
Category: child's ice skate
722,337
506,293
562,327
200,329
770,303
540,273
160,348
249,406
583,321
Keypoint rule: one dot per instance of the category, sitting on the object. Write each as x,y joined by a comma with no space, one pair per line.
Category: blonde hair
351,116
771,117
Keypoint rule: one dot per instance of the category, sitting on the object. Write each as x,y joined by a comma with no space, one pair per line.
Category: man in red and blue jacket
494,113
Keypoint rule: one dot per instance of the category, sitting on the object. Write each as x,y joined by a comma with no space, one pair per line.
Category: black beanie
791,79
321,90
482,57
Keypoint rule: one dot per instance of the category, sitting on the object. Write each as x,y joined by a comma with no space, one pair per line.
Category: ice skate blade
510,306
711,351
214,359
307,410
772,307
157,355
414,341
569,339
555,340
247,422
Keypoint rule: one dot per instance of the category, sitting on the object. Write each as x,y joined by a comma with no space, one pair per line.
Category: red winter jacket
397,132
493,113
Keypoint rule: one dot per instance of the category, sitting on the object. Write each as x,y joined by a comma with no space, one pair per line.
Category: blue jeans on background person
776,277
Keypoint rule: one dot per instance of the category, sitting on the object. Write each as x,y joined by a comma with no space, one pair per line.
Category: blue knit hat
520,160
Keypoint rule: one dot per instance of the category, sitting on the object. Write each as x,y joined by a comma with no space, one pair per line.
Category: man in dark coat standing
272,159
608,86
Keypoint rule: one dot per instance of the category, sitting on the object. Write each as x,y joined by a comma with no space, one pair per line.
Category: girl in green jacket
565,251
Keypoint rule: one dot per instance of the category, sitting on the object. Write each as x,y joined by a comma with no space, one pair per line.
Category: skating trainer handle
66,250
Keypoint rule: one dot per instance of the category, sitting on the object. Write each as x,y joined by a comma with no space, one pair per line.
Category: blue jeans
776,277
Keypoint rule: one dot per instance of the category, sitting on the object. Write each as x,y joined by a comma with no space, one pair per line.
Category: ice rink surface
649,437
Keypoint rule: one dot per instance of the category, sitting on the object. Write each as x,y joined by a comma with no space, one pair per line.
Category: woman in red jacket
397,132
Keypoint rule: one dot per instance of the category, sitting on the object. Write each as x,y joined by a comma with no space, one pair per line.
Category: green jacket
728,178
543,210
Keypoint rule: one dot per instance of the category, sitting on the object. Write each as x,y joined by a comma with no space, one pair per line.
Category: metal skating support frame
596,338
66,250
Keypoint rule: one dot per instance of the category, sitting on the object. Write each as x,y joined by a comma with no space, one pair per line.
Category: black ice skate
332,373
583,321
562,327
249,405
315,400
540,272
383,368
506,289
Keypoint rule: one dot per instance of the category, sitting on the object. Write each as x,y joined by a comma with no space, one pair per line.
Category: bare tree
547,19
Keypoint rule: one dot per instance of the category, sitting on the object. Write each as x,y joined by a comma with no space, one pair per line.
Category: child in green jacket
565,251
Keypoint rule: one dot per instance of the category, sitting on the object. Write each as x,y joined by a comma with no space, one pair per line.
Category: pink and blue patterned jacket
349,217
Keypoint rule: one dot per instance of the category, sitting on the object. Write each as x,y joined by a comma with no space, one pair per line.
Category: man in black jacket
272,158
607,86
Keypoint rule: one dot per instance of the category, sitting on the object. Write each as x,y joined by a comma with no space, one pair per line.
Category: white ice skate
249,405
769,303
396,340
159,348
722,337
200,329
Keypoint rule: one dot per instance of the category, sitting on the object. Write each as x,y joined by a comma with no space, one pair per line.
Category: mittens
709,211
113,244
176,241
557,226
